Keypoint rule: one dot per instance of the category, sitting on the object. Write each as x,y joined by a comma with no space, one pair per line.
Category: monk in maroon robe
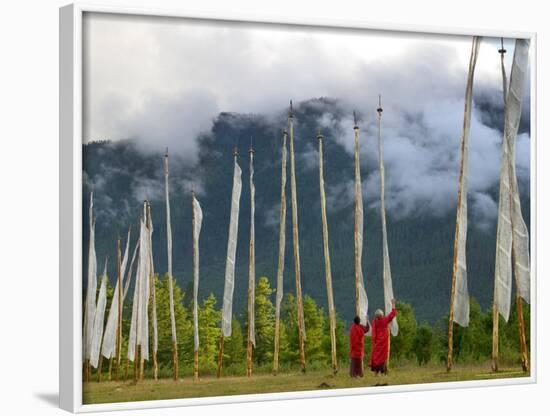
356,346
380,340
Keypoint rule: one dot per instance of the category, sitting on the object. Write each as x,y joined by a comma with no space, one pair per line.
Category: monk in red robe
356,346
380,340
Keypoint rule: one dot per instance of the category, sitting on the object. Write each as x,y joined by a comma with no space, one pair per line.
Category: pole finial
319,135
235,152
290,111
379,109
502,51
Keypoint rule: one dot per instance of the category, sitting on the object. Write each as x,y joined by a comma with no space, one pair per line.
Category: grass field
110,391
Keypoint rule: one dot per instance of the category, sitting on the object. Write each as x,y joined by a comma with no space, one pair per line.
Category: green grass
111,391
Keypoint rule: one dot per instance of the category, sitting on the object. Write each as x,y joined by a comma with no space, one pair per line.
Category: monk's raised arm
391,315
366,327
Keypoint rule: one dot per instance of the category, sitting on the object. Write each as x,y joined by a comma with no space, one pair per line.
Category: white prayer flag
99,319
461,307
142,325
252,259
108,348
152,281
169,250
129,279
388,287
363,301
197,215
512,232
89,308
231,251
282,233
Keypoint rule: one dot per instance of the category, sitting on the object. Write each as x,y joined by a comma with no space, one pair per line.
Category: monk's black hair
357,320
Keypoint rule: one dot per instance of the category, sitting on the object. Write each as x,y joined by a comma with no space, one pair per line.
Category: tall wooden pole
119,317
175,361
379,112
153,295
251,273
356,225
220,357
495,353
328,273
281,262
296,243
463,159
455,269
522,338
519,301
220,349
100,366
195,265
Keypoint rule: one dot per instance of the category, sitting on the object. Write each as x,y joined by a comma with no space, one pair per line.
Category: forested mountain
421,242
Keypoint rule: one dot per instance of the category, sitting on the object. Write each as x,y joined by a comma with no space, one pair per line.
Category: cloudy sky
163,80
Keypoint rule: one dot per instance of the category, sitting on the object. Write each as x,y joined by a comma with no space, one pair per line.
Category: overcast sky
163,80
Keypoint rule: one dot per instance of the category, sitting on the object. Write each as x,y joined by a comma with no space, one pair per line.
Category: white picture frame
70,205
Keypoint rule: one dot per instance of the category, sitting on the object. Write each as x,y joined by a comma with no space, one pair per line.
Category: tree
184,324
234,351
290,353
342,342
209,333
314,319
264,313
402,345
422,345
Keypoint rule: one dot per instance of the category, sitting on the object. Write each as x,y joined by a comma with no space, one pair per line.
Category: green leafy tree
234,351
290,353
314,319
422,345
209,334
474,342
402,344
184,324
264,324
342,341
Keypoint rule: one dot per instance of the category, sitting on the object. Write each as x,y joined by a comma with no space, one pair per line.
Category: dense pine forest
123,173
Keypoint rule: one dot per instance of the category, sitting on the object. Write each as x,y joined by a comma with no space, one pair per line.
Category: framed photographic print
255,209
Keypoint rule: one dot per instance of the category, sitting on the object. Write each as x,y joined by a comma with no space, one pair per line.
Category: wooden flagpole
153,295
100,366
251,271
281,262
119,319
494,354
356,226
220,357
455,268
175,360
296,243
221,345
195,351
519,301
110,368
328,273
465,131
